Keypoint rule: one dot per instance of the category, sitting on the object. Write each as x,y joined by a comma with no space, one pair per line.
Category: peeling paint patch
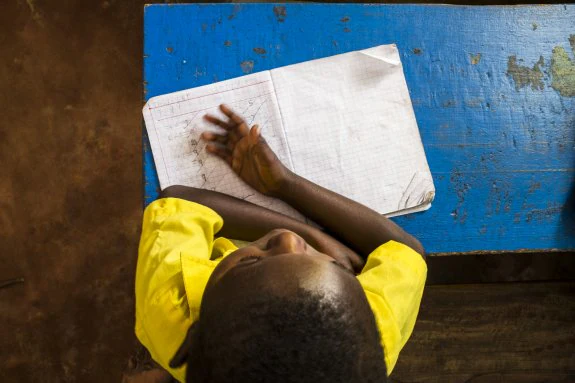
260,51
534,186
416,51
474,102
169,49
563,70
280,12
344,19
524,76
247,66
227,43
475,58
543,215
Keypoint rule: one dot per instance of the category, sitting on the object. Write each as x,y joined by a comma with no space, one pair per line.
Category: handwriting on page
176,124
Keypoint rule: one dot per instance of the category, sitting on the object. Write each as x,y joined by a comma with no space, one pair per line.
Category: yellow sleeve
171,227
393,280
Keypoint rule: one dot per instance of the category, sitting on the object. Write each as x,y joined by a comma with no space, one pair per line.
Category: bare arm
360,227
246,151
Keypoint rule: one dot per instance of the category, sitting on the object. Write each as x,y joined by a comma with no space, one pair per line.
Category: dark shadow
504,267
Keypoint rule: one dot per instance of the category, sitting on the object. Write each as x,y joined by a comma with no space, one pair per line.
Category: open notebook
344,122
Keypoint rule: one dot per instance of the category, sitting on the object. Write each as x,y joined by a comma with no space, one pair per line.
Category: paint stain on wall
475,58
563,70
280,12
247,66
524,76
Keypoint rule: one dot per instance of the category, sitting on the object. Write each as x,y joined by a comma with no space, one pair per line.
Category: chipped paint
227,43
544,215
260,51
524,76
475,58
474,102
344,19
247,66
416,51
280,12
235,11
534,26
563,70
169,50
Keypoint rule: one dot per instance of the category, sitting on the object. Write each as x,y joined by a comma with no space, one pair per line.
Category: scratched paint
280,13
563,70
247,66
524,76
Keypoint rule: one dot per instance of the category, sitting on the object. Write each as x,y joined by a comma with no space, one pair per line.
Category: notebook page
350,127
174,123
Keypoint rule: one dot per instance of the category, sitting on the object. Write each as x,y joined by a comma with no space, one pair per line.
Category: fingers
236,123
213,137
220,151
230,113
254,134
216,121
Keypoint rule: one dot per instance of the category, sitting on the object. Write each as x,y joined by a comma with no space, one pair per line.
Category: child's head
278,310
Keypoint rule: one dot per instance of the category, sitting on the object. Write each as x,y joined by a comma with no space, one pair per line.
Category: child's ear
183,352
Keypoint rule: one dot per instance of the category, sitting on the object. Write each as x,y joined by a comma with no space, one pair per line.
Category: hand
246,151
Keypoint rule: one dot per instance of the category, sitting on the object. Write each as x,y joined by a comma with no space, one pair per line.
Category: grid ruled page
350,127
174,123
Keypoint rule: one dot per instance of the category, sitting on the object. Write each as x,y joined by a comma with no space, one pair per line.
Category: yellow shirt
178,253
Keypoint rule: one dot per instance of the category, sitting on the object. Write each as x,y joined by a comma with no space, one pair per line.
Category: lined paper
345,122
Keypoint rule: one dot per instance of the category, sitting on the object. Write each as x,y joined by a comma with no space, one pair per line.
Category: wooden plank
514,332
496,333
492,89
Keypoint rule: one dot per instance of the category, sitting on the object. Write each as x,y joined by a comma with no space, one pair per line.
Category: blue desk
493,90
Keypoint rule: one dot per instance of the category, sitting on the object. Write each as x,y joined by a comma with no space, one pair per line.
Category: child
297,304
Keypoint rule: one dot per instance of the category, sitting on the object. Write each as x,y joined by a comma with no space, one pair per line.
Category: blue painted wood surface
500,140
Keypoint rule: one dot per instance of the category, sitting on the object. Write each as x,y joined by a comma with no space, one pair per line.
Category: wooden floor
70,211
508,332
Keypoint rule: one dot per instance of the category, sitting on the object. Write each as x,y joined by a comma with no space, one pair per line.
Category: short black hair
306,337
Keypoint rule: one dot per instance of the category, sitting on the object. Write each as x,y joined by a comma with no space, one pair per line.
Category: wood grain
516,332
